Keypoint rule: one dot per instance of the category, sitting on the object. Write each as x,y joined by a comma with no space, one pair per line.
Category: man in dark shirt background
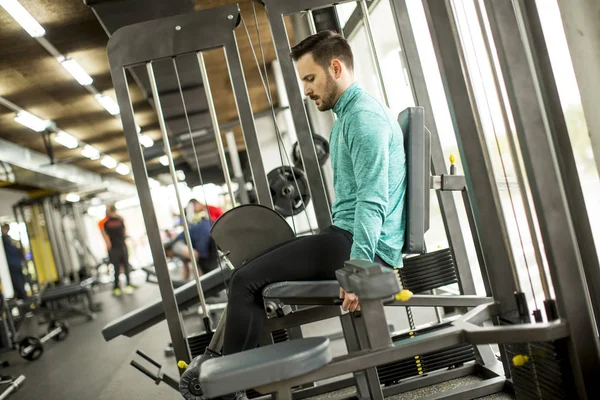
15,266
201,244
114,235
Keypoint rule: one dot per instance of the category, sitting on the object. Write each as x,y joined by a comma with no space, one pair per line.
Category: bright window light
164,160
138,129
146,141
72,197
123,169
31,121
76,71
153,183
127,203
108,103
90,152
66,140
109,162
22,16
180,175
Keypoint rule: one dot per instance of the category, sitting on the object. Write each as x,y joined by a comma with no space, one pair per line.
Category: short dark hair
111,208
324,47
6,226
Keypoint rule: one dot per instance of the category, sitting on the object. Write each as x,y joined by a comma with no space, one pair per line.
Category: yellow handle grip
404,295
182,365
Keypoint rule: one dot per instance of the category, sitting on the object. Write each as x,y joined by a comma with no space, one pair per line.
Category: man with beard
368,161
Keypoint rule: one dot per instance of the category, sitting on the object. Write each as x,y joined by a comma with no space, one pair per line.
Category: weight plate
64,332
289,190
321,148
36,351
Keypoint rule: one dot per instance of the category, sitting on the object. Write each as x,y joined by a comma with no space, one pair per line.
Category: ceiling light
146,141
180,175
72,197
76,71
66,140
109,162
123,169
164,160
22,16
108,103
90,152
31,121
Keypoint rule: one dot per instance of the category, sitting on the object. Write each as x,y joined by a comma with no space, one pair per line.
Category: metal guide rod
514,156
215,123
165,136
311,22
369,32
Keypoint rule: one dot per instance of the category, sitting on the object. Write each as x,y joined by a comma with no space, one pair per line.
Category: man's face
5,230
318,82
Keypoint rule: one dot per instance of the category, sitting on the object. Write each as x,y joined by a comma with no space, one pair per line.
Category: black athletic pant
118,256
309,258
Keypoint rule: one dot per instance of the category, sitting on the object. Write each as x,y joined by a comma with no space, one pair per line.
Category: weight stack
199,342
547,373
428,271
393,373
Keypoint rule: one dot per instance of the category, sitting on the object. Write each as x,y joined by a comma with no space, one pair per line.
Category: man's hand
350,301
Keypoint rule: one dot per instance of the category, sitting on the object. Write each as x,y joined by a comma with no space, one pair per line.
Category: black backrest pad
248,231
418,158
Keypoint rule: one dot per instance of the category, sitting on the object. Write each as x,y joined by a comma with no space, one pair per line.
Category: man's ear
336,68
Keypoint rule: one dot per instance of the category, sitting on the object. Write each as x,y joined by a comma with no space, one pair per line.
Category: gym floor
84,366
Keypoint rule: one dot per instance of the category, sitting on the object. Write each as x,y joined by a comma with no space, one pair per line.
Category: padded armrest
143,318
304,293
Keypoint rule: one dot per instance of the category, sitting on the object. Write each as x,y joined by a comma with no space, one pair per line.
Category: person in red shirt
213,212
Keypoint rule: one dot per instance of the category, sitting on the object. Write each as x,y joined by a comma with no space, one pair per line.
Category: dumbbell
32,348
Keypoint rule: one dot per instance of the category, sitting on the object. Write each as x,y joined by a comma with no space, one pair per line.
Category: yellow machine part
40,245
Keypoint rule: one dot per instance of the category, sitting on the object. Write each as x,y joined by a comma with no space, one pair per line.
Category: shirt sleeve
201,238
368,141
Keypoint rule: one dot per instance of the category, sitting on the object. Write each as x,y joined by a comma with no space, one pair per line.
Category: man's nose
307,90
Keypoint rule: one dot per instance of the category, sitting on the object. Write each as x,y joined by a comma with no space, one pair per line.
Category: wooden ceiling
32,79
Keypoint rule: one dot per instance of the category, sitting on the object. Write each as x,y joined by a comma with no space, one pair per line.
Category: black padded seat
186,296
63,292
304,292
264,366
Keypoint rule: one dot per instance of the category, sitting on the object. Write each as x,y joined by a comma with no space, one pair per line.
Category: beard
329,96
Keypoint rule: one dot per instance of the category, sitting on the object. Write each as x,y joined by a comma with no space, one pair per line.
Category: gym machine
559,356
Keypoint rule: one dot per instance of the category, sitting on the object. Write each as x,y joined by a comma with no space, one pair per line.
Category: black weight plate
289,190
446,260
321,148
38,348
410,261
64,332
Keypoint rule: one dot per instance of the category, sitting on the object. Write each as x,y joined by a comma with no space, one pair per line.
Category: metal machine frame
213,28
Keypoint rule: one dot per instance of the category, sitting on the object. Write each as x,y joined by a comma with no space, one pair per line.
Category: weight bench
186,296
151,277
58,296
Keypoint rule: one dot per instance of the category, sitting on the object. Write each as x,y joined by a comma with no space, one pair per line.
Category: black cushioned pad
304,293
62,292
187,295
263,366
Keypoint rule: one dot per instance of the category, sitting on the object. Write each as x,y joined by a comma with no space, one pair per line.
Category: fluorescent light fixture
109,162
123,169
180,175
146,141
76,71
90,152
72,197
138,129
108,103
66,140
22,16
31,121
164,160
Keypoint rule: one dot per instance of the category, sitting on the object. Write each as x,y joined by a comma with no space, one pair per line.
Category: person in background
201,244
114,236
15,266
199,208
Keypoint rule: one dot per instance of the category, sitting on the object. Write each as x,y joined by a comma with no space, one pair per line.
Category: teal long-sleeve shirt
369,176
